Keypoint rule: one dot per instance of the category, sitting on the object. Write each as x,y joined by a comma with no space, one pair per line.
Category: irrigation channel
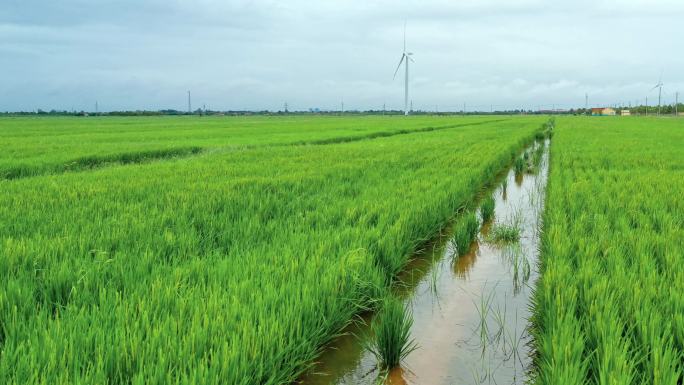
470,313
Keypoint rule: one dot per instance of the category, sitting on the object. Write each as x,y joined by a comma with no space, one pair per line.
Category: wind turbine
405,58
659,86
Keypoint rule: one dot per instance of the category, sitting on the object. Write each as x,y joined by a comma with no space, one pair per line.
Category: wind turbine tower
659,86
405,58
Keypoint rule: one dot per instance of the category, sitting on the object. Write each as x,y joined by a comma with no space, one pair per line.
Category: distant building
603,111
625,113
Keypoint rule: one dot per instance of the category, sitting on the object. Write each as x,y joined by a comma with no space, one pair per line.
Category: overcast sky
235,54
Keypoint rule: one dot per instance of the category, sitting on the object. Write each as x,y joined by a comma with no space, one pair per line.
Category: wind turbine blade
399,65
656,86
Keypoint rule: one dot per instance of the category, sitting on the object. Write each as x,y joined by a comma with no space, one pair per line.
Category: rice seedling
487,209
519,165
504,233
534,161
483,308
499,316
434,281
391,340
465,232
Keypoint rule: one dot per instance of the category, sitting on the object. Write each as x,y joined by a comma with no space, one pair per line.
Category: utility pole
96,108
189,104
383,109
285,106
586,103
677,103
647,105
342,110
411,106
464,108
660,90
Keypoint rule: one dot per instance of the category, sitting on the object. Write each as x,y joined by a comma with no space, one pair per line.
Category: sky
260,54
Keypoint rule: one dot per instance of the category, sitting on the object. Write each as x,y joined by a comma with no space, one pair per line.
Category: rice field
609,307
187,250
233,265
38,146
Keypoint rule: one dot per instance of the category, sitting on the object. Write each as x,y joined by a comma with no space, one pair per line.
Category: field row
37,146
609,306
233,267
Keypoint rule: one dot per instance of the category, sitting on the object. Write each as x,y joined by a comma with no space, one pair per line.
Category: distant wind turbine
405,58
659,86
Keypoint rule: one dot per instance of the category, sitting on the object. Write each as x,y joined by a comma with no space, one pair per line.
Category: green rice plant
504,233
519,165
487,209
391,329
465,232
534,160
483,308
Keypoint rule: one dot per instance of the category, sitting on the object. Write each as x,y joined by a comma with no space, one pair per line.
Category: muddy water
470,313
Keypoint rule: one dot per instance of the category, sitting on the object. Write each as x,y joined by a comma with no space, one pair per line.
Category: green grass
391,340
608,308
232,267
